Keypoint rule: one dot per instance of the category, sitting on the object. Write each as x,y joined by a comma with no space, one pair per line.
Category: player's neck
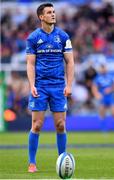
47,28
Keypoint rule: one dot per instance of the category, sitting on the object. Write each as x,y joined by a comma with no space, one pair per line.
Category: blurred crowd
91,29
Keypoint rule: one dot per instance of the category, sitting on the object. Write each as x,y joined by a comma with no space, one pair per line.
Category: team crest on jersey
32,104
57,39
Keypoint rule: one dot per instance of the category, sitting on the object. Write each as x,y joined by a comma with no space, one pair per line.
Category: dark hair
41,8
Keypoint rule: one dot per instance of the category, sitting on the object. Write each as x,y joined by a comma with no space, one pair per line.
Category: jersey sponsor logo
49,51
68,44
40,41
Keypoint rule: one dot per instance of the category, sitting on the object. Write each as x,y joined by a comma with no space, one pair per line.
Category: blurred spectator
89,75
17,93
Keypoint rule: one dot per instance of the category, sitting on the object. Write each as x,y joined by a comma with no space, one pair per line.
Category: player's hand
108,90
67,91
98,96
34,92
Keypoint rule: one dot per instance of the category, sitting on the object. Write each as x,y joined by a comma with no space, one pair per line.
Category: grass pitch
93,152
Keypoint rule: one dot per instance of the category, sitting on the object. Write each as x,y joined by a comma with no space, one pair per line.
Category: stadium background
90,25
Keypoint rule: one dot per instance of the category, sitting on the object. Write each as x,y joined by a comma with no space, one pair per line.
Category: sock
103,124
61,142
33,145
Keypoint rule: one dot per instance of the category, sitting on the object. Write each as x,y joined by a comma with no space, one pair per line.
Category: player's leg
38,107
58,105
61,137
102,115
112,110
37,121
102,111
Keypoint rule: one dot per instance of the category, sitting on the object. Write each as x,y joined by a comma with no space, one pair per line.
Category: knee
37,128
60,126
36,125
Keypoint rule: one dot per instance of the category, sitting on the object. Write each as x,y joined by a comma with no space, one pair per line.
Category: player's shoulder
34,34
61,32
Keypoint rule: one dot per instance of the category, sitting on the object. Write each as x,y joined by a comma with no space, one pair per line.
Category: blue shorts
107,101
53,97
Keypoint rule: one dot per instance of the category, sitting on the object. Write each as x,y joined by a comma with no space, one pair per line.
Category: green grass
90,162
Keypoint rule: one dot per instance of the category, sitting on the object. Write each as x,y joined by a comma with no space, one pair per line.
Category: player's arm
68,56
96,92
31,58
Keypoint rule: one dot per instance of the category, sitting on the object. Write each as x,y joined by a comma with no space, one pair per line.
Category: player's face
103,69
48,16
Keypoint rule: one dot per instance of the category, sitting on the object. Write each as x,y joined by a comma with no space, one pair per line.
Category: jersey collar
47,32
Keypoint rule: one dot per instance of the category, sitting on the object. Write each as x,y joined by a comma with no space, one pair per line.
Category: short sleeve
30,46
67,43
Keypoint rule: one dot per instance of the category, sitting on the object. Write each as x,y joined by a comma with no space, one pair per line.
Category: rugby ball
65,165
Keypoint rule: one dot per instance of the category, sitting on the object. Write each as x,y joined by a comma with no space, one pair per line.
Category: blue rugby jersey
103,81
49,50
